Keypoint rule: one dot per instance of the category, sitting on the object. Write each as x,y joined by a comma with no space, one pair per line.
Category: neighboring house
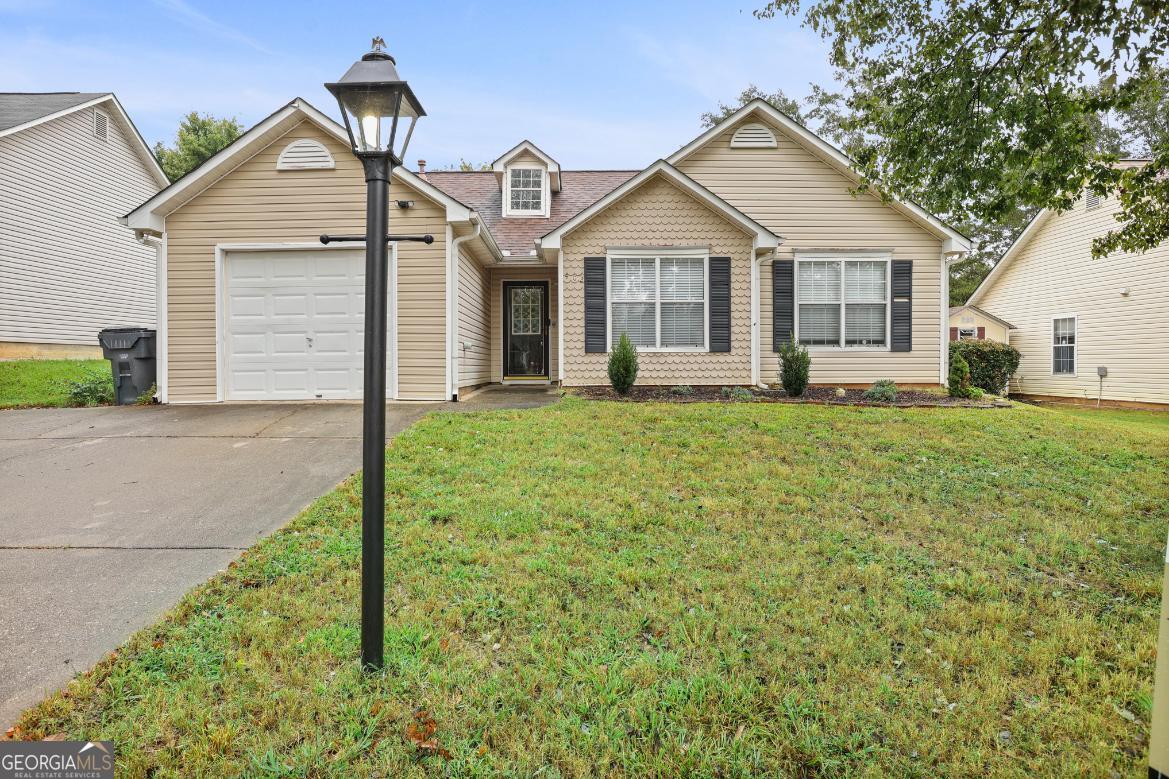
971,323
71,164
707,259
1074,314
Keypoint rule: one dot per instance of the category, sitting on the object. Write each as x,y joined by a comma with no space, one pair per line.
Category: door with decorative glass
525,328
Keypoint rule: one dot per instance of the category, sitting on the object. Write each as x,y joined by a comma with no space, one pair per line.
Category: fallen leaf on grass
54,737
421,733
13,733
482,750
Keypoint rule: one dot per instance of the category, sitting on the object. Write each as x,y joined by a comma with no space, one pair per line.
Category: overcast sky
595,84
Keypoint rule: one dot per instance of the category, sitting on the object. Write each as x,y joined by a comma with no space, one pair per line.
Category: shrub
794,362
976,393
738,393
93,389
147,397
959,383
882,391
623,365
682,389
991,363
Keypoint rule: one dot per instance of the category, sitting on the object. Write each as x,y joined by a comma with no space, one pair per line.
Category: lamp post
374,101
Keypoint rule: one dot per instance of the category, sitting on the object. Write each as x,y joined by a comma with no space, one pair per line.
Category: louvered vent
304,154
753,136
101,125
1091,201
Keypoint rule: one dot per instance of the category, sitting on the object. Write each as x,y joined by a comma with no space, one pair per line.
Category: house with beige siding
708,259
1076,316
971,323
71,164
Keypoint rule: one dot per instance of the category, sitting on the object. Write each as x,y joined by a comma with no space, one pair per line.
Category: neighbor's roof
480,191
17,108
980,312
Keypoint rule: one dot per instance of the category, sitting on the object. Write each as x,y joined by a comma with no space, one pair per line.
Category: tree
467,167
991,107
199,137
778,99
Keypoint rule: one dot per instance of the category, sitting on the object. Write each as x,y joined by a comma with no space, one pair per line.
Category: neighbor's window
842,302
1063,349
967,334
526,187
659,302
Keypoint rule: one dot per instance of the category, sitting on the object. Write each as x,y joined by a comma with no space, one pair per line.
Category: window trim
657,255
542,212
973,331
860,256
1075,346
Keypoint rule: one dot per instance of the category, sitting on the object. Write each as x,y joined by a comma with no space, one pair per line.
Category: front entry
525,330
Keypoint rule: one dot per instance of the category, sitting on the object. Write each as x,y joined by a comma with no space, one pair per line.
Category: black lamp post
374,101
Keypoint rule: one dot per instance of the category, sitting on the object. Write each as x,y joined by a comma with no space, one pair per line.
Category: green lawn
25,383
601,589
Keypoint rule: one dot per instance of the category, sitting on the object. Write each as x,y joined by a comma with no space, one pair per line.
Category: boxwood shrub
991,363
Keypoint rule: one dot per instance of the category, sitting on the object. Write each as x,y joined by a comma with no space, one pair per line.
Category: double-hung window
1063,345
659,301
842,302
526,191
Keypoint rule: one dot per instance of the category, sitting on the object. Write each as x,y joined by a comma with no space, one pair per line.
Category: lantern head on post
376,103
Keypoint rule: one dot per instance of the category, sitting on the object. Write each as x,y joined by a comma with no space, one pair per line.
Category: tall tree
993,106
778,99
199,137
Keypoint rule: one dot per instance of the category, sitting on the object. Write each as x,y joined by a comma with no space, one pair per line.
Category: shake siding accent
500,275
474,322
659,214
255,203
67,268
1055,275
795,194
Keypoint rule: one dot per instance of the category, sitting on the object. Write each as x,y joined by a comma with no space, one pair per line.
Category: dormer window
525,191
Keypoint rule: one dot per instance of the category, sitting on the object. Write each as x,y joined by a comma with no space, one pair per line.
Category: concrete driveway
109,515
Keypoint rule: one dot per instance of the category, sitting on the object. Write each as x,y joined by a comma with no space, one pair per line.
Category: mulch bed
906,398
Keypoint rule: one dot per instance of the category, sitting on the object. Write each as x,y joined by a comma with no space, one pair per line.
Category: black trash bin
130,351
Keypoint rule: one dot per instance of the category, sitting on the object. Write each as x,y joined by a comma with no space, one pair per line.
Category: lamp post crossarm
327,239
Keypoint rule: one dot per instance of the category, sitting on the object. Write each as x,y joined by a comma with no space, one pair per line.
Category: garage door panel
294,324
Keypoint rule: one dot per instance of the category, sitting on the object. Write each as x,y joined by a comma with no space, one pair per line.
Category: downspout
160,308
452,308
949,257
756,316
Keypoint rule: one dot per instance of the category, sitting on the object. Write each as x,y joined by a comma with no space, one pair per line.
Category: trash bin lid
123,337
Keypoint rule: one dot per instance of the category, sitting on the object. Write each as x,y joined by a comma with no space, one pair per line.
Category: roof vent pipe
422,168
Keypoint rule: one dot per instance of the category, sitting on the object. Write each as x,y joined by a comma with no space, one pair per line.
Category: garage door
293,324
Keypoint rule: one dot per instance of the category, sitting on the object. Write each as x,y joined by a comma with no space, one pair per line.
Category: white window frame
658,255
542,211
1075,346
842,257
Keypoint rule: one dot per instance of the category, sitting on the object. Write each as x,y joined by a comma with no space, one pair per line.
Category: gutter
160,307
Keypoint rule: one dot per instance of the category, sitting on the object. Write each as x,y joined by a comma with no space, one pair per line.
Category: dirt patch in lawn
822,395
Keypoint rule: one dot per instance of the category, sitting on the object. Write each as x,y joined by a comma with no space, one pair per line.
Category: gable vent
101,125
304,154
1091,201
753,136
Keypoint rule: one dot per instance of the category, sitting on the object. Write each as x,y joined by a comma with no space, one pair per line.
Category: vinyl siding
1055,275
474,322
809,203
502,274
67,267
255,203
659,214
968,319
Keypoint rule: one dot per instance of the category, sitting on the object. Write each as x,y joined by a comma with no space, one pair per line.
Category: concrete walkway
109,515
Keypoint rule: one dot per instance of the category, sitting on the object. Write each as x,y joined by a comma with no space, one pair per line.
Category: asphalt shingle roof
17,108
480,190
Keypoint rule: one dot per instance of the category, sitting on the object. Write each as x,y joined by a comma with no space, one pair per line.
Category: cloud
197,20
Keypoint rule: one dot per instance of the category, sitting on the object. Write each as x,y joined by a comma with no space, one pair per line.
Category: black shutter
720,304
902,314
594,304
783,302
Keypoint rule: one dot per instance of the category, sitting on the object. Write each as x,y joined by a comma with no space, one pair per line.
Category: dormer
527,178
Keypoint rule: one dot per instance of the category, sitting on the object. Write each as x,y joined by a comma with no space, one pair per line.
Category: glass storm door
525,327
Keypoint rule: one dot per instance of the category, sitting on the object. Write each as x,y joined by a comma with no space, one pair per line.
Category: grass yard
30,383
602,589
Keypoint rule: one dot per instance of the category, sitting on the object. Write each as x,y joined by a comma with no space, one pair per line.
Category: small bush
738,393
92,389
623,365
959,383
147,397
991,363
794,363
882,391
977,393
682,389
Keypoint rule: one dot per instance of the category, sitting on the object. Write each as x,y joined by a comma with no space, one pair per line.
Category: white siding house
71,164
1074,314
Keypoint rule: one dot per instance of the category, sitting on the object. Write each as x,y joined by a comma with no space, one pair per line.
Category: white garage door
293,324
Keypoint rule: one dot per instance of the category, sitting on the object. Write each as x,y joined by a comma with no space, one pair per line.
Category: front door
525,330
